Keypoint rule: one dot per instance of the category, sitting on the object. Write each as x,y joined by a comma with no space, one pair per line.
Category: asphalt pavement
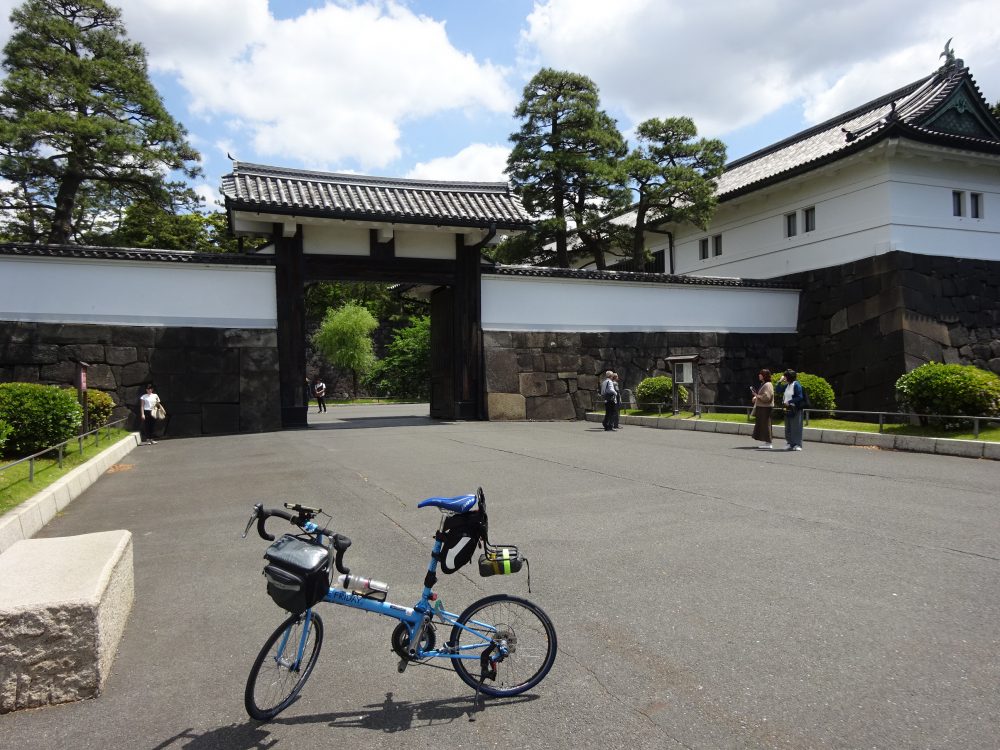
706,594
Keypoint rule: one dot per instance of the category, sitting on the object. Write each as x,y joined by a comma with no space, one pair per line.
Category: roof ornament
950,61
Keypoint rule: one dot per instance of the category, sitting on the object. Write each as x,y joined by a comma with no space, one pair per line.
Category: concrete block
876,439
778,431
966,448
914,443
668,424
990,450
63,607
728,428
30,517
645,421
838,437
811,435
700,425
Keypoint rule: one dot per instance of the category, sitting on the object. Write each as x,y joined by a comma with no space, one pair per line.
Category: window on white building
703,249
809,219
791,225
957,203
975,205
717,245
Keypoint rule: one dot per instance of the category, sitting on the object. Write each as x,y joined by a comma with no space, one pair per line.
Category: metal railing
60,448
876,416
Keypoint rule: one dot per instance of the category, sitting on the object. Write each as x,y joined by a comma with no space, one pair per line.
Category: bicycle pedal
403,664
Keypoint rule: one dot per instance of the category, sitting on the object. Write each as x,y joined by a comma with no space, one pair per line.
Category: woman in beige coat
763,402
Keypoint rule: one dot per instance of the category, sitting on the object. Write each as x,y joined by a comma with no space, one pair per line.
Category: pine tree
564,154
672,176
83,131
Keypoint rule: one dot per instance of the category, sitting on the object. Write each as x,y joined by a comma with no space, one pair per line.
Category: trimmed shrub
937,388
658,390
40,415
99,405
818,389
5,430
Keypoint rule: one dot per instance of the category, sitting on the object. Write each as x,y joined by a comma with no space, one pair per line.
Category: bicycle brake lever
253,517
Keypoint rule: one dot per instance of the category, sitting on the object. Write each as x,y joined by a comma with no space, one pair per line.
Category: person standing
618,401
148,401
610,395
793,399
763,405
319,390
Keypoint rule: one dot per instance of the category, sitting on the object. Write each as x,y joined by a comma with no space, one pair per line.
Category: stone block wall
552,376
864,324
211,381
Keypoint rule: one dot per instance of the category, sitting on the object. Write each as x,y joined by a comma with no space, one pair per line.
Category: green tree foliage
380,300
40,416
148,225
658,390
405,371
83,130
937,388
672,176
345,339
564,157
99,407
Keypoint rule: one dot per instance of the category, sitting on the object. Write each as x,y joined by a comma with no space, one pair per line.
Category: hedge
39,415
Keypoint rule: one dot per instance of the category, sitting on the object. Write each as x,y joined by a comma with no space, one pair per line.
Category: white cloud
332,85
729,64
476,163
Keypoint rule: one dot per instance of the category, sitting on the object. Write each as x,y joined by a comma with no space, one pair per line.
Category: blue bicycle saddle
460,504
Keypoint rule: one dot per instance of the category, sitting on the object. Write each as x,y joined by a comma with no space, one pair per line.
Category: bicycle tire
529,634
269,679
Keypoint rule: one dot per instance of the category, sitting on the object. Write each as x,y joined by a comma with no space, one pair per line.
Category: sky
426,89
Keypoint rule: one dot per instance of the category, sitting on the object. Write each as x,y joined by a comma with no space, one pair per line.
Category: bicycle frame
413,616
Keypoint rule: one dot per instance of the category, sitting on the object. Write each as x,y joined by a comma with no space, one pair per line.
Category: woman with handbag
149,410
763,404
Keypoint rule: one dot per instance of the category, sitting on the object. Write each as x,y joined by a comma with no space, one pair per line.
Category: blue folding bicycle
500,645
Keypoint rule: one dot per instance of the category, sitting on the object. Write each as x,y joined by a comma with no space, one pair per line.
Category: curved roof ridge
834,121
268,170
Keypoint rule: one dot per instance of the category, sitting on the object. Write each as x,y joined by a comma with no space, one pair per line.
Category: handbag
159,412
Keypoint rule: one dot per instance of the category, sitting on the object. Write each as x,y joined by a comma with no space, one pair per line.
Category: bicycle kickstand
487,670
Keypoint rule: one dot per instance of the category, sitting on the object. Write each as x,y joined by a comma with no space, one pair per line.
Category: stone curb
911,443
24,521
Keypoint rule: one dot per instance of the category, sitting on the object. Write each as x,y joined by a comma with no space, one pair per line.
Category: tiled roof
131,253
905,111
655,278
267,189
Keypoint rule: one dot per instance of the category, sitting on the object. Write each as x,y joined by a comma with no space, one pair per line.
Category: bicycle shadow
392,716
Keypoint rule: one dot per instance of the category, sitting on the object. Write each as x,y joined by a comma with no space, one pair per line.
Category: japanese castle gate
340,227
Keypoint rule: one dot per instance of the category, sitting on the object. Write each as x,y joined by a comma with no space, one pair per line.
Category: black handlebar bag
297,573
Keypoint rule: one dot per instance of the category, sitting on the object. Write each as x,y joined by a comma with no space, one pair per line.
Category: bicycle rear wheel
278,673
511,623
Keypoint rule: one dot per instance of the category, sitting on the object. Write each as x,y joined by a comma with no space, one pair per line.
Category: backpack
806,403
460,537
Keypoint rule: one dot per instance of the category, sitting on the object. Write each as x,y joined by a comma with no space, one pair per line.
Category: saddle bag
297,573
459,539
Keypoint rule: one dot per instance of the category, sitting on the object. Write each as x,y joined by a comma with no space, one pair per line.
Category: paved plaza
705,594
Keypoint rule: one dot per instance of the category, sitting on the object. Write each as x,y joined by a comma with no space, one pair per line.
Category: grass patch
988,431
15,487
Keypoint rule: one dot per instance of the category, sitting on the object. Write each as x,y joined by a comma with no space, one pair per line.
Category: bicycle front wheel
281,667
516,631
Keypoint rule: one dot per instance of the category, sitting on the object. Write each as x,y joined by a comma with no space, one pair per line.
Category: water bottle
366,587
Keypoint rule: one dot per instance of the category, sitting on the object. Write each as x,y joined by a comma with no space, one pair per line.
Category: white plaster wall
63,290
517,303
891,197
416,244
326,239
